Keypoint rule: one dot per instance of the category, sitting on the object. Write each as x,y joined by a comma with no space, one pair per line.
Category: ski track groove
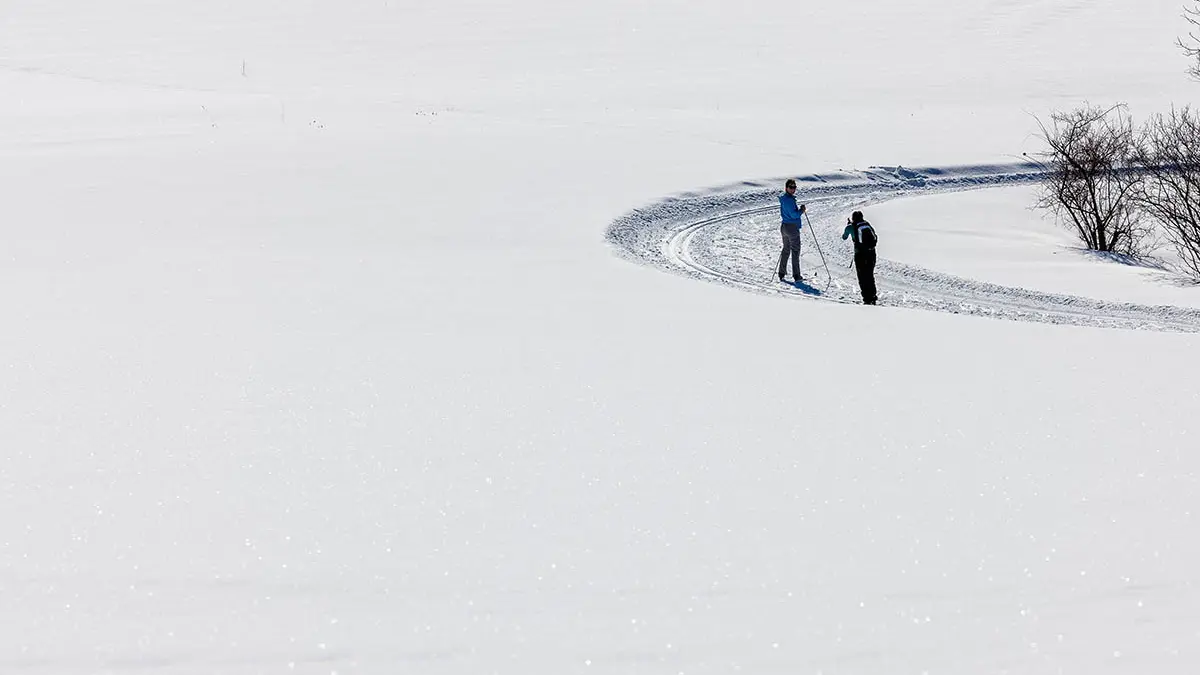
729,235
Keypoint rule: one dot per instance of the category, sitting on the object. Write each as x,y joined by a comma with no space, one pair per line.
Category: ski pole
818,243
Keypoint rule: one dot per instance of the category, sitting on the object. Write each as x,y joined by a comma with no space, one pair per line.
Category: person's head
790,186
856,217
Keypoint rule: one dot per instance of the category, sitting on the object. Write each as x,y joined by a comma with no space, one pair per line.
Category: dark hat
856,217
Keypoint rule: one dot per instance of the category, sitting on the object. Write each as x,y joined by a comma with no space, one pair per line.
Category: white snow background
315,357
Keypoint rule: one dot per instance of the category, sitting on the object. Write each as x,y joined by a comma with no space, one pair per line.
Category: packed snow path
730,235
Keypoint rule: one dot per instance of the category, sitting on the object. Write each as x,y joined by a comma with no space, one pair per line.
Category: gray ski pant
791,248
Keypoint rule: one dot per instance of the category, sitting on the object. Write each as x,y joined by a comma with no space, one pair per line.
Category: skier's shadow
804,287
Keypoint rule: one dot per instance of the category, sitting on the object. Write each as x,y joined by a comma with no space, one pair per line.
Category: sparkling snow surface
320,354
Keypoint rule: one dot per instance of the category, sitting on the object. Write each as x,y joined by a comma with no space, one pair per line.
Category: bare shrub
1169,159
1091,179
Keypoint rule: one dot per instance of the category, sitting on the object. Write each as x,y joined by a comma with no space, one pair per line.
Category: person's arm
847,232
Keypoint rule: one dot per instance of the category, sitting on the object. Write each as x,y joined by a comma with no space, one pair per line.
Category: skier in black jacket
864,254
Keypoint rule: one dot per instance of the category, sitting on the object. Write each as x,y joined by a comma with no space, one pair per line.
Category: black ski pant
864,262
791,248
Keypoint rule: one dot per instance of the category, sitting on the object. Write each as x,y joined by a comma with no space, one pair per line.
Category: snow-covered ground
726,235
318,357
990,235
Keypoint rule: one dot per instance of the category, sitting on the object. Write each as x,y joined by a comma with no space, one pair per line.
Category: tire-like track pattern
730,235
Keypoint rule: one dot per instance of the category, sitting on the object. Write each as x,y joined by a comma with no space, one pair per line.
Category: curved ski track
729,235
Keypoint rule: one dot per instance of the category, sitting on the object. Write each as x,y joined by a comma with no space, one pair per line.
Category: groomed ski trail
729,235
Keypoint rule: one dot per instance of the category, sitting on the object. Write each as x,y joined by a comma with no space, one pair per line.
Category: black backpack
865,235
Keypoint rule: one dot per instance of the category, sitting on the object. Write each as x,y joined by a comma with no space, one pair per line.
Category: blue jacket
789,211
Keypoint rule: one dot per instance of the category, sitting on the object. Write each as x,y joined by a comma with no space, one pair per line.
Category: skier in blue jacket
791,220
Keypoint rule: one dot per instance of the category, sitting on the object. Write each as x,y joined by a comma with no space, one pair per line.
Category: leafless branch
1191,44
1092,180
1169,158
